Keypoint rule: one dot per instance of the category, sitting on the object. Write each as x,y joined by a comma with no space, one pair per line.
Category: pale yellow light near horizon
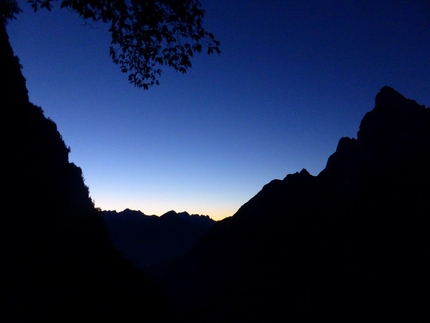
215,213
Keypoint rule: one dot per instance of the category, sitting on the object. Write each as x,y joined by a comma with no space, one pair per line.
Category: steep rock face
57,262
347,245
392,136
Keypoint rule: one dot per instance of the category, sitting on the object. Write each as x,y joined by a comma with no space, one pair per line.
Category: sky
292,79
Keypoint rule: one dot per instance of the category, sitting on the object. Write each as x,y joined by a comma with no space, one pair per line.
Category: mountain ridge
148,239
345,245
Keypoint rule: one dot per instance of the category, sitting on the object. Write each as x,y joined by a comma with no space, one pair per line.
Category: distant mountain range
349,245
146,240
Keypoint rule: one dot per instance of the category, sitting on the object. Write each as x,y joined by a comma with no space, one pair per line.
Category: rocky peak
393,122
170,214
393,138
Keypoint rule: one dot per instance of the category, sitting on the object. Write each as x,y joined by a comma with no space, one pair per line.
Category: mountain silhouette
146,240
57,263
348,245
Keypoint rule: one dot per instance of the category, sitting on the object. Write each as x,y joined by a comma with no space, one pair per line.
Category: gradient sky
292,79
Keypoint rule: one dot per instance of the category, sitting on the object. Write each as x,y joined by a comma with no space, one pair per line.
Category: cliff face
57,261
348,245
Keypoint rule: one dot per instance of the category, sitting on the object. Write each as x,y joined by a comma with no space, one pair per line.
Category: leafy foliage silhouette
146,34
8,10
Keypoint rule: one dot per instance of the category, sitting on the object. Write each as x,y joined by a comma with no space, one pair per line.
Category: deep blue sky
293,77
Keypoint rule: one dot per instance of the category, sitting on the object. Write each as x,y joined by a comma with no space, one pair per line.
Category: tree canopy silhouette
146,34
8,10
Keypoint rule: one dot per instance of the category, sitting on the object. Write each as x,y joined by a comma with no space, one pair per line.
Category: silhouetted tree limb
146,34
8,10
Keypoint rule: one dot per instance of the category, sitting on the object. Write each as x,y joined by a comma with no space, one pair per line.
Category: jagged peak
298,175
386,96
170,213
393,115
